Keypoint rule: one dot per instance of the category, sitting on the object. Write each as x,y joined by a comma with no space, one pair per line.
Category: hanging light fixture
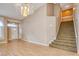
24,10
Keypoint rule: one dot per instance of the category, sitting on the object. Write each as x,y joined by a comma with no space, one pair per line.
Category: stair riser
74,46
68,42
68,49
69,39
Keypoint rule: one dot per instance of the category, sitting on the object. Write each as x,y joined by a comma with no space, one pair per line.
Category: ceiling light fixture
25,10
74,8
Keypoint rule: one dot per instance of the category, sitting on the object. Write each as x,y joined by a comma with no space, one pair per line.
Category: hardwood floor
22,48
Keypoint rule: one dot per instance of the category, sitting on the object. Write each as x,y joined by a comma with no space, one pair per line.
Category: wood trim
5,29
50,9
18,30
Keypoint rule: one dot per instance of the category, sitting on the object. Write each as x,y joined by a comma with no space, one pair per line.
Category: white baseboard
37,43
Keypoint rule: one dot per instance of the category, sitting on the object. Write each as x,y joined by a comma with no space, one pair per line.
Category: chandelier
24,10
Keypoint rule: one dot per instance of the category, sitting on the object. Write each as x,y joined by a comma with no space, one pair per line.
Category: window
1,29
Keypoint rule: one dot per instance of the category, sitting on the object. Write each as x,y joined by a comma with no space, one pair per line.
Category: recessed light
74,8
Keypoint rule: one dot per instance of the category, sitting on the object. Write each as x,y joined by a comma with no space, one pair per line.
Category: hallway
66,37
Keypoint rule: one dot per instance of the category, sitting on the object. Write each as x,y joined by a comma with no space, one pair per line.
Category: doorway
12,31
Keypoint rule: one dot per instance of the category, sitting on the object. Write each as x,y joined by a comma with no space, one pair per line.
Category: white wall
54,23
76,25
35,27
57,10
51,32
39,28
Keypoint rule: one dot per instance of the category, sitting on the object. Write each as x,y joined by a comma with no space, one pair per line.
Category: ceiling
10,10
13,10
65,6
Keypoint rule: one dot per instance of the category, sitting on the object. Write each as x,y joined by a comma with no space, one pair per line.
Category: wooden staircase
66,37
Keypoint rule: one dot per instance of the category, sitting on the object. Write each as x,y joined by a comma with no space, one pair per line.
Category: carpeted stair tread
64,47
66,37
64,44
66,41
